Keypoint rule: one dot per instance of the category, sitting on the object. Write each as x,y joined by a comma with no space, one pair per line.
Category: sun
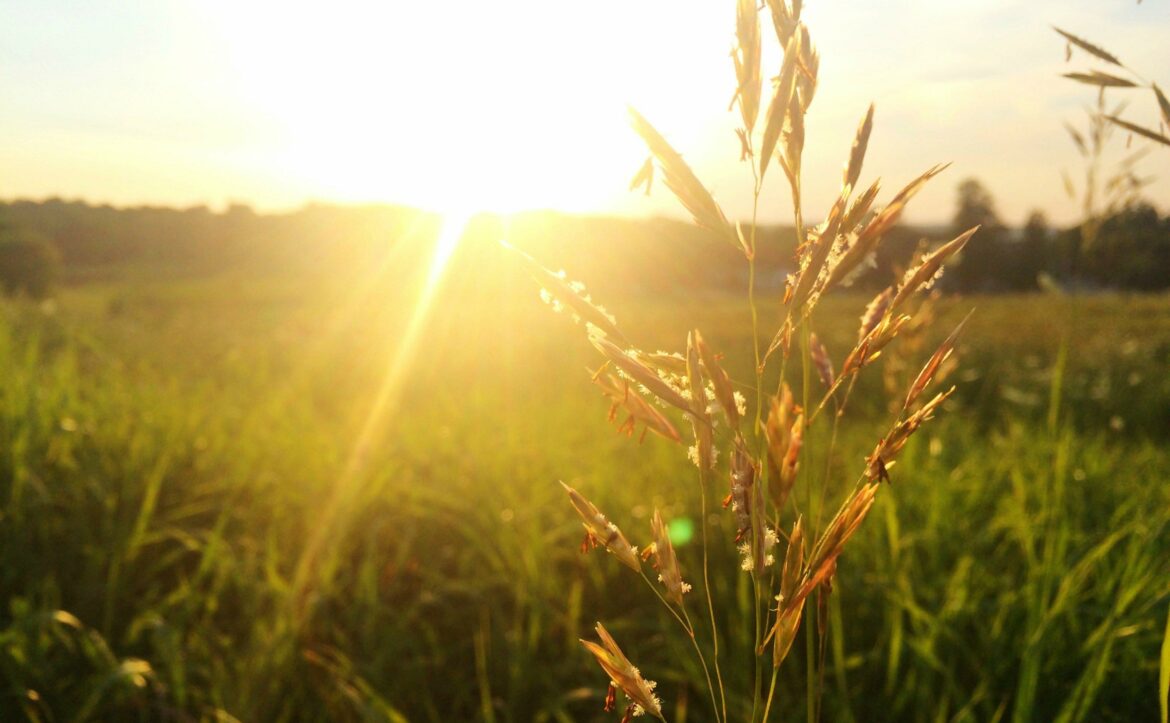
460,107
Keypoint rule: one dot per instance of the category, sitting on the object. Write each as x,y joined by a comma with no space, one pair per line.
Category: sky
463,105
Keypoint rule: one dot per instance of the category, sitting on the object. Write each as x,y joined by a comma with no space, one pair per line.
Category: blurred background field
214,504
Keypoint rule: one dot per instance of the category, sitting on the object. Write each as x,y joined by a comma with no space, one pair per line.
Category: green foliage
28,264
1131,250
165,466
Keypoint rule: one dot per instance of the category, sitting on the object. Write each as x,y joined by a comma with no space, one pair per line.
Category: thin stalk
771,692
822,635
810,610
707,589
756,432
751,293
829,463
757,665
685,621
810,662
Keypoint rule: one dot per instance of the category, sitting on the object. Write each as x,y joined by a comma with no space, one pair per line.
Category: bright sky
463,104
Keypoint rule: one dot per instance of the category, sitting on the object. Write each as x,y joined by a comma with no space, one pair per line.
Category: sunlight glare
497,107
334,512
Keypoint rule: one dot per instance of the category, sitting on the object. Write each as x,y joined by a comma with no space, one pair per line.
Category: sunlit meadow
778,455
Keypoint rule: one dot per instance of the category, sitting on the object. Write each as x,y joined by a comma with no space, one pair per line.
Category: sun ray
334,513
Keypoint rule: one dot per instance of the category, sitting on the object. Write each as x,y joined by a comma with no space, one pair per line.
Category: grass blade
1164,675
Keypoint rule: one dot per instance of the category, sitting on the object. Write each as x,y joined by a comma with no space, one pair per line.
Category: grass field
268,500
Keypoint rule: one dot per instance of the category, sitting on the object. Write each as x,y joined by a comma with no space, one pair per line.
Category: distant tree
1131,250
1031,257
980,268
28,263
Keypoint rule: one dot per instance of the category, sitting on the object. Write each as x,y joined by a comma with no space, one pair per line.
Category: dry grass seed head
803,294
781,101
875,311
869,237
600,531
871,346
724,391
810,62
754,536
860,206
1090,48
682,182
923,275
788,616
666,562
638,409
704,434
644,176
822,562
857,153
572,295
887,449
792,142
784,19
623,673
941,355
783,431
747,62
640,373
821,360
784,631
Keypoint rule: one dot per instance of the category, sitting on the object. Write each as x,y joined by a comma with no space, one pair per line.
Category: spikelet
666,562
640,373
792,142
572,295
788,615
882,458
682,182
802,295
822,561
1090,48
859,207
623,674
784,20
747,502
704,451
821,361
875,311
870,347
857,153
599,531
724,392
793,562
810,62
781,101
669,363
784,432
644,176
877,227
941,355
638,410
923,275
747,62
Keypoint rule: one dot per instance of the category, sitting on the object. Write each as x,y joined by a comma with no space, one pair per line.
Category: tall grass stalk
762,462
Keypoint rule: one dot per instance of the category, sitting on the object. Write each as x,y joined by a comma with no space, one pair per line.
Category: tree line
41,241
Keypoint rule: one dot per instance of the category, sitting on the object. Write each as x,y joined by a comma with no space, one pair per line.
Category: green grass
168,452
